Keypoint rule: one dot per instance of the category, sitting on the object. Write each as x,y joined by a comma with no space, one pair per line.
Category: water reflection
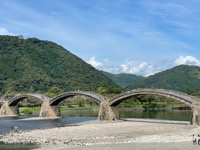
183,115
178,115
17,147
80,113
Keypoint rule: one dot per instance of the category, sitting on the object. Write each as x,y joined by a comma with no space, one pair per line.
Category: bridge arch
96,97
15,100
182,97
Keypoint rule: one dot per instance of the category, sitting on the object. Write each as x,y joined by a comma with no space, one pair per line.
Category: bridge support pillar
196,114
107,112
49,111
7,110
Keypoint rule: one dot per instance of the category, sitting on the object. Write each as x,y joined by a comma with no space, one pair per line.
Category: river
72,117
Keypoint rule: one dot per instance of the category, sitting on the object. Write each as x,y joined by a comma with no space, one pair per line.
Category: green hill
123,79
36,65
181,78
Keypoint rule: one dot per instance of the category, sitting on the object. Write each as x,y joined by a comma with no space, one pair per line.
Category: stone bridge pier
107,112
7,110
49,111
196,114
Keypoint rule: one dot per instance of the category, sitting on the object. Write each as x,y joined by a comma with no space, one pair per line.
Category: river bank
94,135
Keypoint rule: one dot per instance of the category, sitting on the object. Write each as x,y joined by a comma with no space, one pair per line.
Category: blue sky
132,36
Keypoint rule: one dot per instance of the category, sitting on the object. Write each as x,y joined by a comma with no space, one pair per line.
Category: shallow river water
73,117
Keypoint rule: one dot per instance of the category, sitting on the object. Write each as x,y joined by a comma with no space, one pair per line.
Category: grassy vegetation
30,110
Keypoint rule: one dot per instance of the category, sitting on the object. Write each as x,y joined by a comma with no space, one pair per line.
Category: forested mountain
33,65
123,79
181,78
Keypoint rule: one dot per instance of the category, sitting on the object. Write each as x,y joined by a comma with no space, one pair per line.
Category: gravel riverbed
110,135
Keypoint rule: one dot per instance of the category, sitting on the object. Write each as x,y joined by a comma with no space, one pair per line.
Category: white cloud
92,61
138,68
130,67
142,68
4,31
187,60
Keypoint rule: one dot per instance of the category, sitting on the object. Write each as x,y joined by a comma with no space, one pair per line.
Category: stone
106,112
196,114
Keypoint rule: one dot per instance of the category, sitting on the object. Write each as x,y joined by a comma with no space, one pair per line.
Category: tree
80,101
113,90
53,91
101,90
31,89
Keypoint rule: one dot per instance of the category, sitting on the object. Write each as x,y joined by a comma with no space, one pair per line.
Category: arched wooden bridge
108,110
